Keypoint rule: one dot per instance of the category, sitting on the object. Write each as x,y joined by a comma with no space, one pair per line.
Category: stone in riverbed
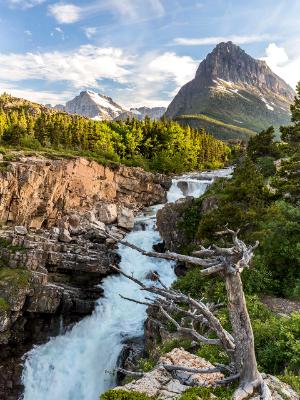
107,213
126,218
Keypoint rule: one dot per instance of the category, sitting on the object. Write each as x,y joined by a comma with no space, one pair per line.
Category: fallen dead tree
238,344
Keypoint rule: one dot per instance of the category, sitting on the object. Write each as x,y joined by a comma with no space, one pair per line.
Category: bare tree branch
130,373
171,368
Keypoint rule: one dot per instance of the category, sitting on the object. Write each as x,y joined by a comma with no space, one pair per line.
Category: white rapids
77,365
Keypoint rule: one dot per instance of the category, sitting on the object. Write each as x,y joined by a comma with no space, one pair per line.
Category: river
76,365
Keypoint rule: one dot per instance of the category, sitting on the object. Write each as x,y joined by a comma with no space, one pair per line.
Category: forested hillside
155,145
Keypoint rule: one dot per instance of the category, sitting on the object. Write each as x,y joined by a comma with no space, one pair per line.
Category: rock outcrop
169,221
162,384
37,192
53,253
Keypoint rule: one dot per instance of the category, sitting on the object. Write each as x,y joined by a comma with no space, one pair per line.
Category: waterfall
77,365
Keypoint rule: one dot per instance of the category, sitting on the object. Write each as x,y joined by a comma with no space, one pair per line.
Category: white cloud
279,61
82,67
149,79
25,4
212,40
65,13
37,96
28,32
169,65
157,78
129,10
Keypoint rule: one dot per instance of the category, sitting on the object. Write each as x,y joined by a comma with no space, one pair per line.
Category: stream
76,365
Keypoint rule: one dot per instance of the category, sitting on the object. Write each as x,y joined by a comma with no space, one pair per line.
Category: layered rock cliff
53,253
37,192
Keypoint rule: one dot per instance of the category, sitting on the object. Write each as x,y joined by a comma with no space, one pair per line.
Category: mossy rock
18,278
124,395
4,306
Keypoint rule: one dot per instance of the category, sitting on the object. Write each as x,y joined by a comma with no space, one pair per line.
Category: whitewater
78,364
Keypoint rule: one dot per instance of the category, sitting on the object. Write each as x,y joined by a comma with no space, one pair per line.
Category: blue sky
140,52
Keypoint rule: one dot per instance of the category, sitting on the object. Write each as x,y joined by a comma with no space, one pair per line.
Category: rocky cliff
37,192
53,253
232,88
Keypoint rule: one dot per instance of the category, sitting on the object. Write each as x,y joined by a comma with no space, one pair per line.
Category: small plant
207,393
292,380
4,306
124,395
146,364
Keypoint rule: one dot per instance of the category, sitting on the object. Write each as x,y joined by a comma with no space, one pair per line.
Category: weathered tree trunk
229,262
244,352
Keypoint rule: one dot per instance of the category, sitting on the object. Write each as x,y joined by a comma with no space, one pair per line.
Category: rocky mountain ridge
142,112
100,107
92,105
232,88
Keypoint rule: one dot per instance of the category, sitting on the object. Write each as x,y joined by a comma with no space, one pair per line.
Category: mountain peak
231,88
231,63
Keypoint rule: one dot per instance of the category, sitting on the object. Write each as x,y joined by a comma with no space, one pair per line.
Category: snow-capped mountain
142,112
233,95
92,105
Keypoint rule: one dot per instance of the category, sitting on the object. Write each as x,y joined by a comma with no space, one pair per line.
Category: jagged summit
231,87
93,105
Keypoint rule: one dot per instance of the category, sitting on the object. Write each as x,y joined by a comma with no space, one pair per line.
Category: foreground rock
161,384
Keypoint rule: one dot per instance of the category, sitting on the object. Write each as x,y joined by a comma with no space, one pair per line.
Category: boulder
21,230
107,213
64,236
126,218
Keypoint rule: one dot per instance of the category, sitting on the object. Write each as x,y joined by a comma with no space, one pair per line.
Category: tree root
246,390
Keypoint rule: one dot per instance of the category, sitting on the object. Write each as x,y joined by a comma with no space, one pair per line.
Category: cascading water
76,365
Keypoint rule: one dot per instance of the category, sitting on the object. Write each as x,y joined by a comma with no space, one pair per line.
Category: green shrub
30,142
124,395
292,380
213,354
266,166
169,345
17,277
206,393
4,306
146,364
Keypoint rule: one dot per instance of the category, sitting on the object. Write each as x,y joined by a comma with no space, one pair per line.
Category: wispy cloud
38,96
212,40
68,13
153,77
279,61
25,4
82,67
90,31
156,78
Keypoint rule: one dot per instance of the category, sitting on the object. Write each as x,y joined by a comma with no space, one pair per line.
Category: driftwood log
238,344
